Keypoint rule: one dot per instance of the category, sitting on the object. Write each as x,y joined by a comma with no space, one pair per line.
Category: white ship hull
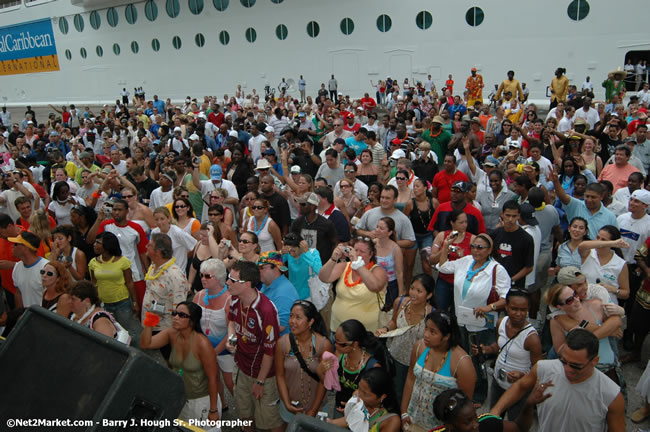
532,38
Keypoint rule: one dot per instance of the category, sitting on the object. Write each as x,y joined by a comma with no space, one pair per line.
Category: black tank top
420,219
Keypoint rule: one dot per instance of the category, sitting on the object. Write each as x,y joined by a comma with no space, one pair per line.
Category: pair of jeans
444,295
122,311
485,337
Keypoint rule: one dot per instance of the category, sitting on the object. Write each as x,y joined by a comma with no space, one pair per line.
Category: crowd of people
266,247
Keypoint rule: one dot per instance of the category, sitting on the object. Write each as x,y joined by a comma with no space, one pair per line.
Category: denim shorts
423,240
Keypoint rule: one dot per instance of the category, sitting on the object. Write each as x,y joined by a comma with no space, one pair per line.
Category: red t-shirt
443,182
216,118
368,103
261,331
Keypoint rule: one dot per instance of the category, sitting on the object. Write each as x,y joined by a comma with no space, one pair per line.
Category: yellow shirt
510,86
356,302
110,278
560,88
204,168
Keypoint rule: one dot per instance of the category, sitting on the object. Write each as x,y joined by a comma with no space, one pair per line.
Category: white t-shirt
255,146
121,167
208,186
28,281
634,232
182,243
565,124
130,236
536,234
545,166
62,212
159,198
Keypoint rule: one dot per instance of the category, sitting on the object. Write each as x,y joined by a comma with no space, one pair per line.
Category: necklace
84,316
208,297
346,363
348,271
257,231
442,363
409,310
436,134
244,320
419,212
148,276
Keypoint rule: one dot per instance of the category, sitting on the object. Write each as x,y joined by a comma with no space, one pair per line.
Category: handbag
319,293
494,295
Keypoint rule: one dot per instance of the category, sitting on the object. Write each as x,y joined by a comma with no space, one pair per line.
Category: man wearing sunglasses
253,321
319,232
578,397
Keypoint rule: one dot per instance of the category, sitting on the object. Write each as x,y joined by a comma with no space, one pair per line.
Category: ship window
474,16
95,20
248,3
79,23
347,26
112,17
135,47
277,1
131,14
384,23
155,45
151,10
424,20
176,42
83,53
68,54
251,34
196,6
281,32
173,8
99,50
313,29
199,39
116,49
63,25
578,10
224,38
221,5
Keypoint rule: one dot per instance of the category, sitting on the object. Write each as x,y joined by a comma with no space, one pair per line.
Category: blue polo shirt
357,146
283,295
596,221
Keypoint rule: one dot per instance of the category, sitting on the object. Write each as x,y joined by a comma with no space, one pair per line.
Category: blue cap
216,172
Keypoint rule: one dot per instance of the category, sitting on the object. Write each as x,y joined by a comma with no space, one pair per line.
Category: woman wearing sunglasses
245,211
297,355
182,212
214,301
588,314
249,250
348,202
138,212
266,230
480,288
218,197
192,357
182,242
215,217
56,280
207,247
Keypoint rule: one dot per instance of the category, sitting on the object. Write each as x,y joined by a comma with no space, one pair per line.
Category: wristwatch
259,383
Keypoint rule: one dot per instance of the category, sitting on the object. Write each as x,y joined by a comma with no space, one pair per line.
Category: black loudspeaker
305,423
53,368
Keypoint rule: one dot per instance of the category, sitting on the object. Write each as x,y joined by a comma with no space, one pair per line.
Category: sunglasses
343,344
180,314
573,365
368,239
569,301
246,241
349,171
49,273
478,246
232,279
127,196
180,206
258,207
214,197
214,214
400,178
207,276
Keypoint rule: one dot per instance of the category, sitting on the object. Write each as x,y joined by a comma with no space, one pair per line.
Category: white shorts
226,363
198,409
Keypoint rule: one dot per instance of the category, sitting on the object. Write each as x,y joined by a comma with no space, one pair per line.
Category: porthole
474,16
424,20
135,47
313,29
248,3
99,50
151,10
347,26
176,42
199,39
116,49
196,6
281,32
384,23
131,14
224,38
79,23
95,20
277,1
112,17
221,5
251,34
155,45
83,53
173,8
63,25
68,54
578,10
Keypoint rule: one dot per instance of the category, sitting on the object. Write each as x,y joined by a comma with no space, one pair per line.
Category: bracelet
493,307
404,416
214,411
259,383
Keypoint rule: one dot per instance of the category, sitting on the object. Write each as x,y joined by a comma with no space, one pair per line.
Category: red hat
473,69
